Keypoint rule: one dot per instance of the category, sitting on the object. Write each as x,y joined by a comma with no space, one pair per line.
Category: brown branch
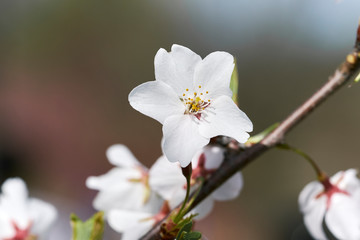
236,160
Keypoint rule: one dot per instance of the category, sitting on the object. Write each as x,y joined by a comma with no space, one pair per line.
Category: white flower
192,99
22,217
125,186
332,206
168,181
134,224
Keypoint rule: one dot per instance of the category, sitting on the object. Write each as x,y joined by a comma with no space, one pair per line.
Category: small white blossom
23,218
125,186
332,206
168,181
192,99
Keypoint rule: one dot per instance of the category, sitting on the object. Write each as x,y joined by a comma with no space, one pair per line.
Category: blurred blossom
166,179
125,186
22,217
130,194
191,97
331,208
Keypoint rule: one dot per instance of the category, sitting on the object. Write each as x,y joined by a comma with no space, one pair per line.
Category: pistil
195,103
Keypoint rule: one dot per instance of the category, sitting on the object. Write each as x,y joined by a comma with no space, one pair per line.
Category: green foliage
92,229
260,136
234,84
192,236
186,228
185,232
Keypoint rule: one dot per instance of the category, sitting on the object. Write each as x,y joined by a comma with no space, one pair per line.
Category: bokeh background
66,68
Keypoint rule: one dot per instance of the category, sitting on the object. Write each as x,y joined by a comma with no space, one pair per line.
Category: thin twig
236,160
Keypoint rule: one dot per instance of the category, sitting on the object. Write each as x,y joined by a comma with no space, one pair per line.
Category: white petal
114,185
343,217
347,180
43,215
313,208
313,221
176,68
204,208
223,117
13,206
214,156
114,177
119,155
156,100
307,197
230,189
181,139
214,74
130,221
138,232
166,178
177,198
15,188
124,197
13,201
6,228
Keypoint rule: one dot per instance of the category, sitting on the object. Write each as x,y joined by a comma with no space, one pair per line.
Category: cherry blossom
167,180
23,218
331,208
125,186
192,99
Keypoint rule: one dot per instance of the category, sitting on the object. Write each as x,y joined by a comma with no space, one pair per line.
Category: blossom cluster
191,97
135,198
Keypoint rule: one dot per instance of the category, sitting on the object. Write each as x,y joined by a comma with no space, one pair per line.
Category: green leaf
234,83
92,229
186,228
260,136
192,236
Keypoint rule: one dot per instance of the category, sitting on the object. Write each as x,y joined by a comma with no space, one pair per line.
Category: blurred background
66,68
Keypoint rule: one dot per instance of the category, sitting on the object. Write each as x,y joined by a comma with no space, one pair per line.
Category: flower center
200,170
331,189
195,102
144,180
21,234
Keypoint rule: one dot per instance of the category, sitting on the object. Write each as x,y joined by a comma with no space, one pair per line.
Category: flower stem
187,173
320,174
